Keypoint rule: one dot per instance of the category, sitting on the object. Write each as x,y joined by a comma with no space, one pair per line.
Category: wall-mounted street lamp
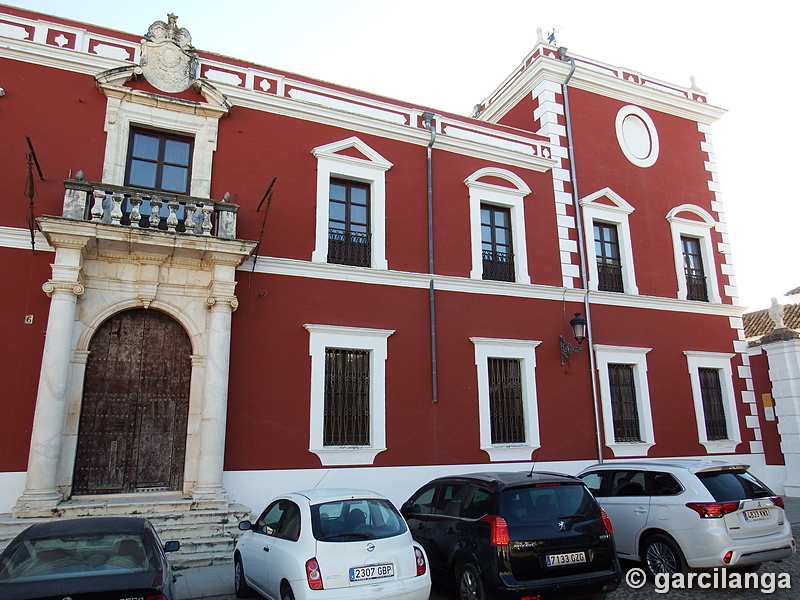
578,324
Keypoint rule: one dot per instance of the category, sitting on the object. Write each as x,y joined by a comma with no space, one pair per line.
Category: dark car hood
96,587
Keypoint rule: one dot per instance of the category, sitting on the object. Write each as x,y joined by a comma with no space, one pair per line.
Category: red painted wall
23,272
770,438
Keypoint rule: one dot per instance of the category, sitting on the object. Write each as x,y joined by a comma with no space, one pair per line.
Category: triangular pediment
352,149
607,199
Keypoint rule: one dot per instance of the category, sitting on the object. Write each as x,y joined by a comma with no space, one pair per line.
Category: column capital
230,301
69,287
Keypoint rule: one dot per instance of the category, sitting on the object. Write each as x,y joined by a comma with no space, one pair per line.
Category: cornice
298,268
307,111
544,68
108,238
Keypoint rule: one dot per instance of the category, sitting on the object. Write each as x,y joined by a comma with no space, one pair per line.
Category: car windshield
729,486
40,559
541,503
355,519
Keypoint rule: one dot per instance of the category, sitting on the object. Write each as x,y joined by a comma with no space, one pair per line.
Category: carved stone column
209,491
41,494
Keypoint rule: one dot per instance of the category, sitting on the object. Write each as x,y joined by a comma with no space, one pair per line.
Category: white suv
679,514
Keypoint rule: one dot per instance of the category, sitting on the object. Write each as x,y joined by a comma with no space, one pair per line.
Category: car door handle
640,510
266,549
450,530
421,526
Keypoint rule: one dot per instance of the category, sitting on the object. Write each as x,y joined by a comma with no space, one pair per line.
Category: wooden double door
132,431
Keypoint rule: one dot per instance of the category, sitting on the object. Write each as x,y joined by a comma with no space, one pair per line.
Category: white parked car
330,544
679,514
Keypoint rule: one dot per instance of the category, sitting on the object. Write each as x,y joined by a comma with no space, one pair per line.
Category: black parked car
87,558
514,535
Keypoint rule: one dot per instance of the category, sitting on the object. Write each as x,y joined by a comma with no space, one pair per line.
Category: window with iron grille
713,404
498,254
624,406
347,398
159,161
349,239
696,288
609,265
505,401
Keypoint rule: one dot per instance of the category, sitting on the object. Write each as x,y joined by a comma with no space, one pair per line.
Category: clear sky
450,54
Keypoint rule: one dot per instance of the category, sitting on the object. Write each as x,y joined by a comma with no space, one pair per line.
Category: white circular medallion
637,136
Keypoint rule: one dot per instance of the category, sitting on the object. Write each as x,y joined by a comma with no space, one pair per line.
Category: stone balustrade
133,207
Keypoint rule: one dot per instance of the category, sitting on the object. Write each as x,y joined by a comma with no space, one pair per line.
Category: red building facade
390,310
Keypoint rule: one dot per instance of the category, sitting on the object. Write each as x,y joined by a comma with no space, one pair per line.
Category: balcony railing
498,266
349,248
696,288
610,278
133,207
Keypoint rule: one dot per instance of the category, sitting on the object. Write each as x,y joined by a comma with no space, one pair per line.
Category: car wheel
662,555
239,582
470,586
287,594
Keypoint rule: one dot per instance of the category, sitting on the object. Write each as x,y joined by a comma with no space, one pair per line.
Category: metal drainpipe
427,117
562,53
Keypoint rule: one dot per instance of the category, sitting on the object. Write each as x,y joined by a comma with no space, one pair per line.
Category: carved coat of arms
169,61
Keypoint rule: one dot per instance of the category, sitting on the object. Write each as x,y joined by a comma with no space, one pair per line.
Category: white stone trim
700,230
508,197
525,351
547,114
357,338
637,357
125,108
615,214
625,136
372,170
722,362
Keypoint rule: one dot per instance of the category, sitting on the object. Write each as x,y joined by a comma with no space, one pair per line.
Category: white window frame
701,230
616,213
525,352
126,109
370,170
637,357
722,362
481,192
356,338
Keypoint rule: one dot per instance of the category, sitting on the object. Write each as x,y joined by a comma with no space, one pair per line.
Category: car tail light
419,556
156,597
313,575
778,500
713,510
499,536
728,556
606,521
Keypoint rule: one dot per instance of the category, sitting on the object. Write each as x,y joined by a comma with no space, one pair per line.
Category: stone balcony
133,207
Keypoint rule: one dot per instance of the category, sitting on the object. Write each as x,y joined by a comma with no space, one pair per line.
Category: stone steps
207,535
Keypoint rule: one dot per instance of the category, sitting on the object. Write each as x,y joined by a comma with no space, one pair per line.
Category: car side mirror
173,546
245,525
407,509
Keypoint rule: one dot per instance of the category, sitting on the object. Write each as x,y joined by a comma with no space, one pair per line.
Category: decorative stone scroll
169,61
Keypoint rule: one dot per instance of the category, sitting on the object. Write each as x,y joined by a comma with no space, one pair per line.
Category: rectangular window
498,254
159,161
609,265
624,407
505,401
349,239
696,288
346,408
713,404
